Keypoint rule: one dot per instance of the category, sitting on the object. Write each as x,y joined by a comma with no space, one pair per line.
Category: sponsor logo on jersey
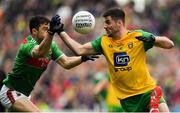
121,59
123,69
38,62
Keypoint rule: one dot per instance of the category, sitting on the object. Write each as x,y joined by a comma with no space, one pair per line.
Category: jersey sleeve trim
56,52
59,57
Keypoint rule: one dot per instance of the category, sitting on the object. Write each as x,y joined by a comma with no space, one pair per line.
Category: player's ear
34,31
119,22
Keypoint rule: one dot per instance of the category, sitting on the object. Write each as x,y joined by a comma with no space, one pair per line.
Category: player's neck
120,34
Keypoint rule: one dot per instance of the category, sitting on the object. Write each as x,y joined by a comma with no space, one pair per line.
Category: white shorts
9,96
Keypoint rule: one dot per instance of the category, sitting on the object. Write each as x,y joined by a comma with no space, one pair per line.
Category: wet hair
115,13
36,21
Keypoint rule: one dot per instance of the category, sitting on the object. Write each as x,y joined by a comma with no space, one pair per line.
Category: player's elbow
38,54
164,42
42,53
67,66
170,44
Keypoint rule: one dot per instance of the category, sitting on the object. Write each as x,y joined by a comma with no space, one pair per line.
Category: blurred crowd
70,90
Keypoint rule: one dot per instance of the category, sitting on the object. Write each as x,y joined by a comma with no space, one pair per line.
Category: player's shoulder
135,31
27,40
103,36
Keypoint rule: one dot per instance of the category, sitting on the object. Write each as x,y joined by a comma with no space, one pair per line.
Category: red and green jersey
126,60
26,69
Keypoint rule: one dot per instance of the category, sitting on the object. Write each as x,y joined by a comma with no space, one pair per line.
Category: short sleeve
27,48
56,52
145,34
96,44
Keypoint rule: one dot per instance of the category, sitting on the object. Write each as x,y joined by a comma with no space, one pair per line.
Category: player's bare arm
163,42
47,31
159,41
41,49
70,62
79,49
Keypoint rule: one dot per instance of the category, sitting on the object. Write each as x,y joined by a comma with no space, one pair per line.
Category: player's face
42,31
110,26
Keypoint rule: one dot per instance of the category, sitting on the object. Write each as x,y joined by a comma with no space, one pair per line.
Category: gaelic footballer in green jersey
27,70
31,61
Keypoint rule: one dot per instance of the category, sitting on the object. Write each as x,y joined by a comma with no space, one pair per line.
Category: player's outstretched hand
61,28
55,24
90,57
146,39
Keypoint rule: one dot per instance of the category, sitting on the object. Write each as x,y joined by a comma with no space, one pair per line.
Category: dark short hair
36,21
115,13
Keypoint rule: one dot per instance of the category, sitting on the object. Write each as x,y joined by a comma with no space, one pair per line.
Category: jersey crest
130,45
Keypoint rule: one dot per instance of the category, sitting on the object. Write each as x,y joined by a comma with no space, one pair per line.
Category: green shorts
138,103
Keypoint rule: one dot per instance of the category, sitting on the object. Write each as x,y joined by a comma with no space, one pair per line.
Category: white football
83,22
